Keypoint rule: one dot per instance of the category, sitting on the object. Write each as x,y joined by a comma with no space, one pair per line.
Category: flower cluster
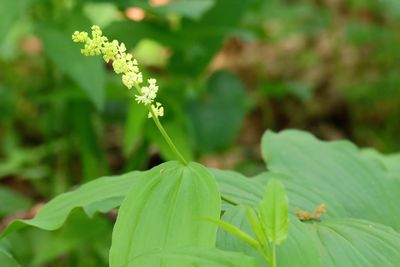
123,63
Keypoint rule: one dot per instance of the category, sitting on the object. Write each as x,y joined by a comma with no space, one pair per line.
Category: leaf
209,257
87,72
299,249
9,13
137,115
357,243
52,215
6,259
391,162
193,9
239,188
218,115
274,212
164,211
337,174
12,202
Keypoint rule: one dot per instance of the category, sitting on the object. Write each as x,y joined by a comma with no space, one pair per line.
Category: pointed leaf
163,211
274,212
89,196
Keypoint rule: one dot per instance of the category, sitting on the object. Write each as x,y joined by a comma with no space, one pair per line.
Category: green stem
273,255
230,201
162,130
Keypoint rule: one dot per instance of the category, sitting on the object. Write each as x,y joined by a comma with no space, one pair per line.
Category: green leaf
208,257
239,188
336,174
218,115
6,259
164,211
274,212
193,9
356,243
52,215
87,72
299,249
12,202
9,13
137,115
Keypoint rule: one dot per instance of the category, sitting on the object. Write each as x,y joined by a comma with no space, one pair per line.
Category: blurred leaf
79,232
52,215
102,14
12,202
178,197
218,115
9,13
137,116
150,53
176,131
274,211
87,72
193,9
201,40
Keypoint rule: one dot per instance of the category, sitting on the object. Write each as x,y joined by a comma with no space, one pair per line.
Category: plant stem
162,130
230,201
273,255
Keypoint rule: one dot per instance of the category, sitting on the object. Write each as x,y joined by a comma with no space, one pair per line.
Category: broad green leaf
249,191
52,215
390,162
274,212
298,250
87,72
208,257
164,211
356,243
337,173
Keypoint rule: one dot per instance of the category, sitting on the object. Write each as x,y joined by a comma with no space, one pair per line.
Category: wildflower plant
169,215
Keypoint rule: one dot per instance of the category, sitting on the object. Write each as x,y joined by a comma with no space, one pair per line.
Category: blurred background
228,70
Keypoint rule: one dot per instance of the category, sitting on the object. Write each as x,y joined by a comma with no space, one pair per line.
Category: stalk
162,130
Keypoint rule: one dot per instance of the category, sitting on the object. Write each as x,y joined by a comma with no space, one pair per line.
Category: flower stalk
124,63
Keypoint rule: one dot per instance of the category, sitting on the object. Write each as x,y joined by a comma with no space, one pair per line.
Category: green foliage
274,212
227,70
178,197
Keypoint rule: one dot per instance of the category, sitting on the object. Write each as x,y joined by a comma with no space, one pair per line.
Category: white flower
158,110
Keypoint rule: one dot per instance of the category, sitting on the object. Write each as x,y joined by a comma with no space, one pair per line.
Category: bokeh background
228,70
